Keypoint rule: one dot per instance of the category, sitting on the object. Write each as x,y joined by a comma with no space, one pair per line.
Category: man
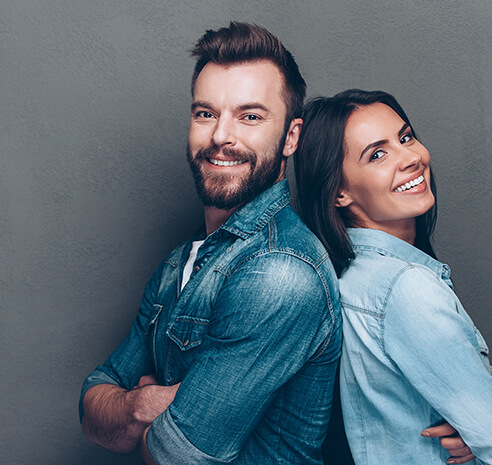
232,356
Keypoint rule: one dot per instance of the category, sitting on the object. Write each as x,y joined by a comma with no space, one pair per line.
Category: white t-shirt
189,264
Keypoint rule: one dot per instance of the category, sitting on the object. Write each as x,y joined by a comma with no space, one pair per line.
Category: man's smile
217,162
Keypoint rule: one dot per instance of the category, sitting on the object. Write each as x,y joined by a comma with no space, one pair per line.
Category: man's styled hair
243,42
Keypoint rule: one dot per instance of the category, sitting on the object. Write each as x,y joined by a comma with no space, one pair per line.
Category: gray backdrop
95,189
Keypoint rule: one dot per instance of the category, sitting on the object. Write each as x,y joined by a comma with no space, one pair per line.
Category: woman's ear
343,199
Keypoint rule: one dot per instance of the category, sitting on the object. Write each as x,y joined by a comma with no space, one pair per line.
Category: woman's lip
410,184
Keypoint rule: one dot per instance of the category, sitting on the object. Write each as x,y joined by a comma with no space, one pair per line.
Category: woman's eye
377,155
406,138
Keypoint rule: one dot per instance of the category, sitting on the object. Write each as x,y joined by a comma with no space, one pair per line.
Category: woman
412,357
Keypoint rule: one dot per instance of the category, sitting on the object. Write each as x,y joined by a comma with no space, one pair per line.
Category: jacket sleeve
270,317
131,359
434,343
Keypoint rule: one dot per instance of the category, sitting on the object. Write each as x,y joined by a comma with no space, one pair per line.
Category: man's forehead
246,82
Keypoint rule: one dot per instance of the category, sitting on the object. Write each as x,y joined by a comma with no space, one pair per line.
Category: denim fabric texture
254,338
412,357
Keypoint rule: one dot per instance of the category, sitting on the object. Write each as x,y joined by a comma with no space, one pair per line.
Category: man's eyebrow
199,103
244,107
253,106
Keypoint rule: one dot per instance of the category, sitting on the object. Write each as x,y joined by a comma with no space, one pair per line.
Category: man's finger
463,452
146,380
453,443
461,459
438,431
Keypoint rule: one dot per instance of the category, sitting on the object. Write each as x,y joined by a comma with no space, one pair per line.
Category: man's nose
224,132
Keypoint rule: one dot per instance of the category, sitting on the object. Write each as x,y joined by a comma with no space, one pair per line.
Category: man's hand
450,440
116,418
146,380
148,399
144,452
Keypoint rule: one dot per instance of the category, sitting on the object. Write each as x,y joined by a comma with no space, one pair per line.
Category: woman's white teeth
216,162
409,185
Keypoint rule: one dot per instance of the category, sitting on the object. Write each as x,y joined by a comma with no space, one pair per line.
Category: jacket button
196,269
185,343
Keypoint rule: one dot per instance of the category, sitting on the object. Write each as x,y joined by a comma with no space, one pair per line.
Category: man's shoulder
285,244
287,230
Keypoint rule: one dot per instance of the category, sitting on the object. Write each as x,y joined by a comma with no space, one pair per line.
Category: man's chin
223,201
227,192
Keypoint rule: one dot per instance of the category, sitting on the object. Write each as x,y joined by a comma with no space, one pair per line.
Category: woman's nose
409,158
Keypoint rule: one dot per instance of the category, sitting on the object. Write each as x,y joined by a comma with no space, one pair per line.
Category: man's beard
228,191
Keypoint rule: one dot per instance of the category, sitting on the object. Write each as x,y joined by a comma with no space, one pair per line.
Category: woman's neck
405,230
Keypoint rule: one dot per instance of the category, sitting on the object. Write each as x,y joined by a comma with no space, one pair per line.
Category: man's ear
292,137
343,199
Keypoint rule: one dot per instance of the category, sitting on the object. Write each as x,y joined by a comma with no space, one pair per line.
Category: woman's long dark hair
318,168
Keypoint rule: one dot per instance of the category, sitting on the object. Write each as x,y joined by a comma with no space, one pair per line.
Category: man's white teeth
216,162
409,185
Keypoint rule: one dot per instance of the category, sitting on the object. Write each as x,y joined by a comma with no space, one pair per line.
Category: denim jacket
412,357
254,338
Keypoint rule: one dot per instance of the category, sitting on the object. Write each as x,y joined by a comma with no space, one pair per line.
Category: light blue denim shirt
254,338
411,357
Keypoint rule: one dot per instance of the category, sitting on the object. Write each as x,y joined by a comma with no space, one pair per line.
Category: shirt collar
251,217
386,244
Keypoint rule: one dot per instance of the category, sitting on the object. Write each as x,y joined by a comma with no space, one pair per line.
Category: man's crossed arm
116,419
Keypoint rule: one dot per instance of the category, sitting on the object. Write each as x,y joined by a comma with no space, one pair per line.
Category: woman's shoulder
383,257
373,277
386,266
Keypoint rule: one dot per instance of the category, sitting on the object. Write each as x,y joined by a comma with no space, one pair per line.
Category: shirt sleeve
434,343
269,318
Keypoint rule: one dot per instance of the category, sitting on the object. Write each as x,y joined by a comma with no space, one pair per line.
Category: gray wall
95,188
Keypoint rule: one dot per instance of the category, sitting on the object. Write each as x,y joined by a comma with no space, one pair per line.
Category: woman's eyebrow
383,141
403,129
373,145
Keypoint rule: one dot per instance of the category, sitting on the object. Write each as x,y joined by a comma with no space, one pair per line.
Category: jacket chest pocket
186,335
150,326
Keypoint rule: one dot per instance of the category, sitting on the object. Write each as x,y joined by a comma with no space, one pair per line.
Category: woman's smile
410,184
386,172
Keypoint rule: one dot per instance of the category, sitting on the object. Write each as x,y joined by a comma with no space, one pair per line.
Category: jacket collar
253,216
386,244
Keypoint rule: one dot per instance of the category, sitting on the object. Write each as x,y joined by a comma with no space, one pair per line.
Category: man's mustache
236,155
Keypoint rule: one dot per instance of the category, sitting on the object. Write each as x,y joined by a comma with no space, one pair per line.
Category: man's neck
215,218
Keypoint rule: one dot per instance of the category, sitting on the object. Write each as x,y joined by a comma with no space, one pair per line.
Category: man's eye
252,118
203,114
377,155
